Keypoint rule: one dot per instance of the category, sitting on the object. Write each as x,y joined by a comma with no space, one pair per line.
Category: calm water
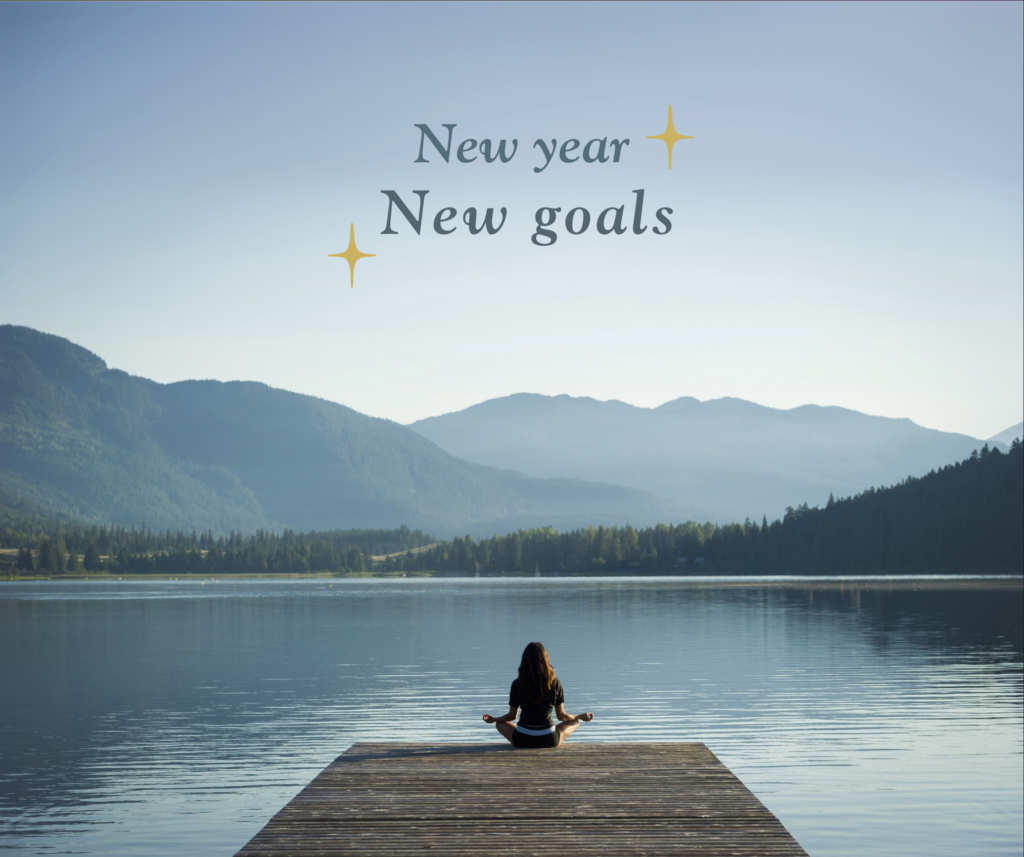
176,718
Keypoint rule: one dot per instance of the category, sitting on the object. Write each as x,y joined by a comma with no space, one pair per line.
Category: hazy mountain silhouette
1007,435
734,457
96,443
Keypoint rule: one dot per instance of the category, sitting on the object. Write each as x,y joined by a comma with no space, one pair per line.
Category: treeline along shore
967,517
48,550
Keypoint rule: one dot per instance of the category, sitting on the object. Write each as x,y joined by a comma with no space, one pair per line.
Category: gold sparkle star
351,255
670,137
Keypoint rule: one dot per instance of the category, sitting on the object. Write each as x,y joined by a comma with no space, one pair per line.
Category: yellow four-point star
670,137
352,255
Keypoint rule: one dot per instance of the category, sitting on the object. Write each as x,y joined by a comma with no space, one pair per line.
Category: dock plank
471,800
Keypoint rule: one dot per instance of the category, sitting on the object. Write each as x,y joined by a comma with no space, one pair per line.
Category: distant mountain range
732,457
1008,435
81,440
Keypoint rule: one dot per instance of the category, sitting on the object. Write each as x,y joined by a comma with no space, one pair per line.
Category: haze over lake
151,718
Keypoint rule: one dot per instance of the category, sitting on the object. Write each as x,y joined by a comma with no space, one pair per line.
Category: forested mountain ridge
732,457
76,439
967,517
84,441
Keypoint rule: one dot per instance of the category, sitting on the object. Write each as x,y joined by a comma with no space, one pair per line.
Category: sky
846,221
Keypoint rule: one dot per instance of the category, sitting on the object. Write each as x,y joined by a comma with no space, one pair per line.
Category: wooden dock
490,800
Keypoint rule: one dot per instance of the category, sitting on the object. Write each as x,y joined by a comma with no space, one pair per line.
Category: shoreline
946,581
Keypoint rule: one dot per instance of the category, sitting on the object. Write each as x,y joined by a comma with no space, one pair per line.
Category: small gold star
351,255
670,137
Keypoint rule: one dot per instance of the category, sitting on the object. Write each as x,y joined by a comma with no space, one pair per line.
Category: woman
538,693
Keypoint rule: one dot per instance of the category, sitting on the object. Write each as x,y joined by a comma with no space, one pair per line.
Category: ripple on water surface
177,717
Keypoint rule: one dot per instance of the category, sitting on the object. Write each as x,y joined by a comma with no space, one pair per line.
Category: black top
540,715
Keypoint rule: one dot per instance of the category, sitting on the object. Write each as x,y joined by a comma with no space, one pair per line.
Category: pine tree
92,557
25,561
47,559
61,551
74,563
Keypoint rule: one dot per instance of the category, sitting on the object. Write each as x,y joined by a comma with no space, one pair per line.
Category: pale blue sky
846,231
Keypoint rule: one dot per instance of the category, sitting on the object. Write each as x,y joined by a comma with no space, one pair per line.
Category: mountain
962,519
1007,435
730,456
94,443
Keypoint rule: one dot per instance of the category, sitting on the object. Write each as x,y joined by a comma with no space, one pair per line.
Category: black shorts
535,742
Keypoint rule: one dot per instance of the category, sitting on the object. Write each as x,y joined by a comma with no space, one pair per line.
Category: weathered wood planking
473,800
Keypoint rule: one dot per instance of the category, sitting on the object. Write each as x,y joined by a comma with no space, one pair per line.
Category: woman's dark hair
535,673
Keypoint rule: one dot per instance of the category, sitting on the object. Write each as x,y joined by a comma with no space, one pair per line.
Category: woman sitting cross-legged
539,694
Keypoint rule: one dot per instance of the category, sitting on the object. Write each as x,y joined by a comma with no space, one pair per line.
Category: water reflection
159,718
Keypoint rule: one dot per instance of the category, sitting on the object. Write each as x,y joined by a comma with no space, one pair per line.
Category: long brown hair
535,673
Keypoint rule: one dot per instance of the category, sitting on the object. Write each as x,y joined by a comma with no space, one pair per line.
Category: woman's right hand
488,718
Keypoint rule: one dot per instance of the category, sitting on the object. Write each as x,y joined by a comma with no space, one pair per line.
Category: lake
879,716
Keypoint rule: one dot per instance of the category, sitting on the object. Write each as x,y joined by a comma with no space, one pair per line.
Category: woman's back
539,713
